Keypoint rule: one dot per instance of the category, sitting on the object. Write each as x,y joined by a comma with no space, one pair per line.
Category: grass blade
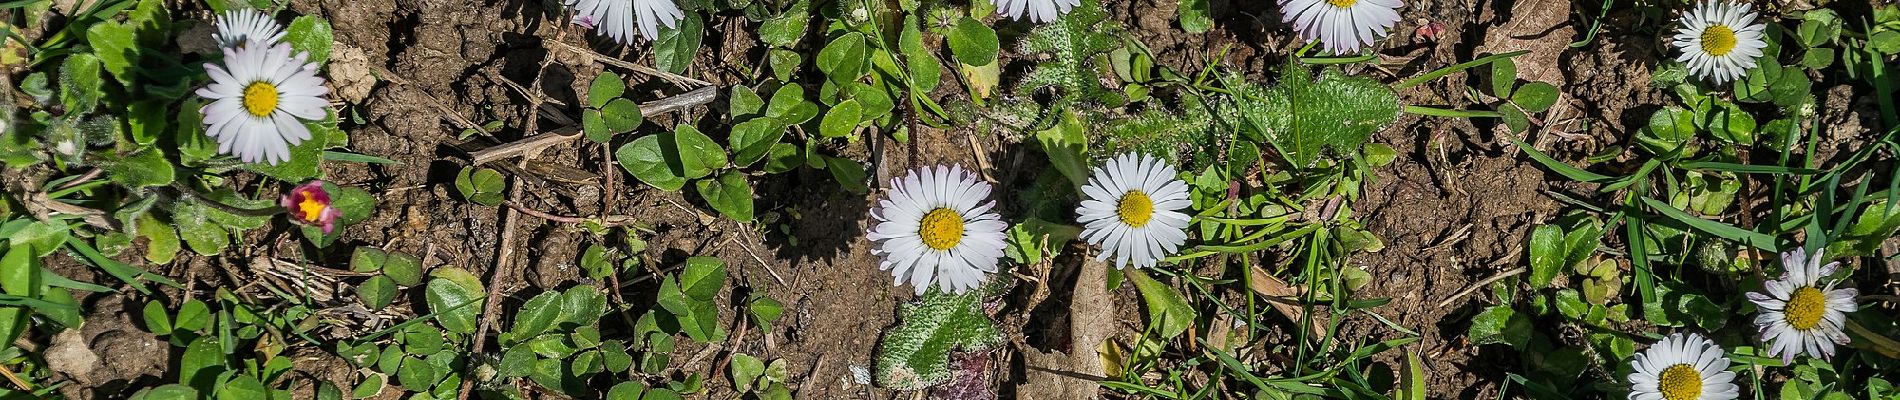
1726,231
1568,171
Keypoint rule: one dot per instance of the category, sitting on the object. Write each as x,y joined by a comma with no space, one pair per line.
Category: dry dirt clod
350,73
70,355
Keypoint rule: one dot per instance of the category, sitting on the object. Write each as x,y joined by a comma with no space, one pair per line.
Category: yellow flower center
312,210
1680,382
1805,308
1718,40
260,99
941,229
1135,208
1342,3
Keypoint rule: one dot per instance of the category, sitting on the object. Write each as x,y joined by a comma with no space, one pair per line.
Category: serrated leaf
915,354
141,170
1072,42
117,46
1333,113
80,83
310,35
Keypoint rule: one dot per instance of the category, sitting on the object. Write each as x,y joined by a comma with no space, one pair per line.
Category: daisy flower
1038,10
309,204
618,18
1719,40
1799,314
1344,26
257,99
236,27
1130,210
936,228
1682,367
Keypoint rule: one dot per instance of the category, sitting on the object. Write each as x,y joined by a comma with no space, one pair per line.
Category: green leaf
1818,27
1412,381
649,159
848,173
1667,131
790,107
304,157
201,235
924,68
699,156
1072,44
703,278
242,387
369,387
403,268
1066,144
1547,255
1535,97
622,115
418,375
743,102
367,260
203,360
752,139
1757,239
171,391
141,170
845,59
1503,77
784,63
1335,112
731,194
161,244
841,120
193,316
1194,16
310,35
606,87
156,318
581,307
785,29
916,353
377,292
1500,324
455,297
117,46
1167,311
625,391
973,42
481,185
783,157
80,85
675,49
1818,58
595,127
746,371
536,316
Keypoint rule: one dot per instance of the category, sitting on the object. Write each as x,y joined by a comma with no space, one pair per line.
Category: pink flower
309,204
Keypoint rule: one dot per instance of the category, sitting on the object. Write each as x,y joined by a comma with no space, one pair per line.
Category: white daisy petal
935,229
258,99
1682,367
1343,26
1720,42
246,28
1038,11
1146,231
1802,313
623,20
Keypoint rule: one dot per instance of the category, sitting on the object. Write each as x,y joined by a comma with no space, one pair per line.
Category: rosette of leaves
1072,43
916,353
608,113
1517,103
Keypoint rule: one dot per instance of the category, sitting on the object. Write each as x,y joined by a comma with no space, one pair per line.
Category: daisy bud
309,204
